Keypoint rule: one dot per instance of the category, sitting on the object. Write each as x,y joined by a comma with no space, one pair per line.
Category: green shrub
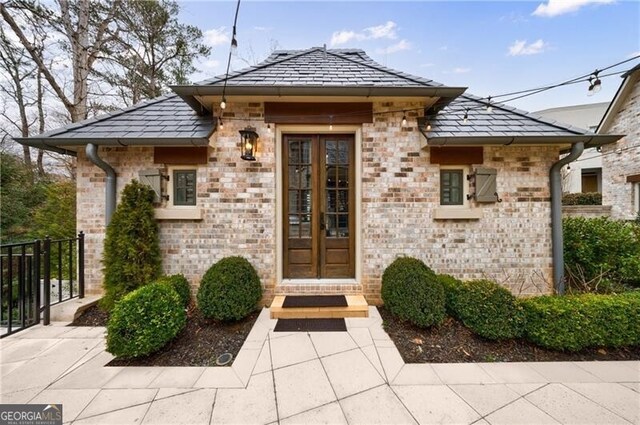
144,321
591,198
451,287
229,290
486,308
411,291
600,250
180,284
574,322
131,248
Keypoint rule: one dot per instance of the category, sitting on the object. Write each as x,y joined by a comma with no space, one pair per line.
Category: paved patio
357,377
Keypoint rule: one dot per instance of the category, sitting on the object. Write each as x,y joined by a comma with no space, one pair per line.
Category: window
184,187
451,187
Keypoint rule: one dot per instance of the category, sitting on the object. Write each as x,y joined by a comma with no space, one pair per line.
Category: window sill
457,214
174,213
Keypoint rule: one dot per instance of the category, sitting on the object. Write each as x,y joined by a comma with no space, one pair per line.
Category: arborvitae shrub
131,249
411,291
144,321
229,290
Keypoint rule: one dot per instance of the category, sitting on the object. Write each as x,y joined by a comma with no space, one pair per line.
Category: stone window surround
458,212
168,211
356,130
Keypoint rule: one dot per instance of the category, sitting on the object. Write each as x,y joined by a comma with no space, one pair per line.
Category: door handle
322,223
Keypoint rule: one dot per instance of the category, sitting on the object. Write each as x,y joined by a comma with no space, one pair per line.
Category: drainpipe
557,240
110,190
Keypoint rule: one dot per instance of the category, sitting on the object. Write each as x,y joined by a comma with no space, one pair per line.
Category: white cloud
386,30
559,7
521,48
461,70
210,64
394,48
216,36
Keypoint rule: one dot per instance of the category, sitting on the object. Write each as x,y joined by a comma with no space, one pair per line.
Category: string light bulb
234,44
223,104
404,119
595,85
221,123
466,116
330,122
269,128
489,106
428,127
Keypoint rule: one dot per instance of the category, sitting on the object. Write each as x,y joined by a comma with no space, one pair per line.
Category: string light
269,128
595,85
330,122
466,116
232,48
223,104
489,106
404,119
221,123
428,127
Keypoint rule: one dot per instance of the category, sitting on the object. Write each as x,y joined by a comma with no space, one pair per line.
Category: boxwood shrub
451,287
144,321
180,284
574,322
229,290
411,291
485,307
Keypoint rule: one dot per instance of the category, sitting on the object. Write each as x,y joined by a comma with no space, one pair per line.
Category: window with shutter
451,187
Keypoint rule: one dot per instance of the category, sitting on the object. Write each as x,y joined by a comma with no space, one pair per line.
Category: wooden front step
357,307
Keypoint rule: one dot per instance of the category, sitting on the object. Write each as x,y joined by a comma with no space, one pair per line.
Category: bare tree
85,29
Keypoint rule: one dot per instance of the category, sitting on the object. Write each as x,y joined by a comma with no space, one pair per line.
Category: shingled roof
166,120
336,72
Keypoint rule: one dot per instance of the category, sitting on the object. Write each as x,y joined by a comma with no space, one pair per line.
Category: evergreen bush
574,322
229,290
486,308
144,321
411,291
601,255
590,198
131,248
180,284
451,287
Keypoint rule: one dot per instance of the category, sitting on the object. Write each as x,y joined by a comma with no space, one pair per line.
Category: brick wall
510,244
622,159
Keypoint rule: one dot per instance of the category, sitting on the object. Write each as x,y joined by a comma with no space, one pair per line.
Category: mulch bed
199,344
452,342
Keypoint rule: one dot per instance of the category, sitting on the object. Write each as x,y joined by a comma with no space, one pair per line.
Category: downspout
557,239
110,189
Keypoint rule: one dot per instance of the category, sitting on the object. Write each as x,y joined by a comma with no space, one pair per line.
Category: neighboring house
341,184
585,174
621,161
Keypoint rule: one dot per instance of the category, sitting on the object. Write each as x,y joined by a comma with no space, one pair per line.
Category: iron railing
36,275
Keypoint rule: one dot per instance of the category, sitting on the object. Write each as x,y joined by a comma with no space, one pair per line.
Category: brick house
621,161
355,165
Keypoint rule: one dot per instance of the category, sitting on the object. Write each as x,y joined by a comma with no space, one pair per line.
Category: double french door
319,207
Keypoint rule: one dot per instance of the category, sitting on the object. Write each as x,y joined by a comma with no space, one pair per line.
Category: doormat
310,325
291,301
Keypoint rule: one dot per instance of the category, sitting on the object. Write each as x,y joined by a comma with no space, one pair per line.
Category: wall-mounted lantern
248,144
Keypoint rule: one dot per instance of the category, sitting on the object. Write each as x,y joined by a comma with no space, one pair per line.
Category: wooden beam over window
635,178
318,113
456,155
180,155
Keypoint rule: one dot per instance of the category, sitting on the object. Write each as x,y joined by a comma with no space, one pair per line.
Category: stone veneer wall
510,244
617,166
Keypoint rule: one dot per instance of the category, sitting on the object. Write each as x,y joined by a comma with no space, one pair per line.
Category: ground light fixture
248,143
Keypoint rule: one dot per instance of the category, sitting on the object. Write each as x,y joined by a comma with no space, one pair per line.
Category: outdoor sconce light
248,144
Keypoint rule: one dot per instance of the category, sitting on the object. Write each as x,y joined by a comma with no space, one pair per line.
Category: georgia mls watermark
30,414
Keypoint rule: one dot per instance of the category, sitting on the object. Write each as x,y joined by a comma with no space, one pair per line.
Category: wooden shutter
486,186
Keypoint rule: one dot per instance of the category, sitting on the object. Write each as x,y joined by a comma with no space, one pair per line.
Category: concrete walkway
357,377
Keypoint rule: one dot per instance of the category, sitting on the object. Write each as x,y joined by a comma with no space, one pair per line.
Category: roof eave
364,91
590,140
54,144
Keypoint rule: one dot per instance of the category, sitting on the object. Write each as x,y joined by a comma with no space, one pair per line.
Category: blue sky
490,47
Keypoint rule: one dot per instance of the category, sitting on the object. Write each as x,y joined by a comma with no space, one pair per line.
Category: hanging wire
234,45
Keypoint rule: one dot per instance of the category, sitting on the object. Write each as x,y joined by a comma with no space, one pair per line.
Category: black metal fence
36,275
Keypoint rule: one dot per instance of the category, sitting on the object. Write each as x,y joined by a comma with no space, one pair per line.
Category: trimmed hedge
451,287
601,249
180,284
590,198
574,322
411,291
230,290
485,307
144,321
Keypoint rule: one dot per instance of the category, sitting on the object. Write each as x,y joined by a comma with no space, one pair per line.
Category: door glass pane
332,202
305,176
331,176
294,226
294,177
331,148
343,225
305,226
343,153
294,201
331,226
294,152
305,152
343,201
305,201
343,176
